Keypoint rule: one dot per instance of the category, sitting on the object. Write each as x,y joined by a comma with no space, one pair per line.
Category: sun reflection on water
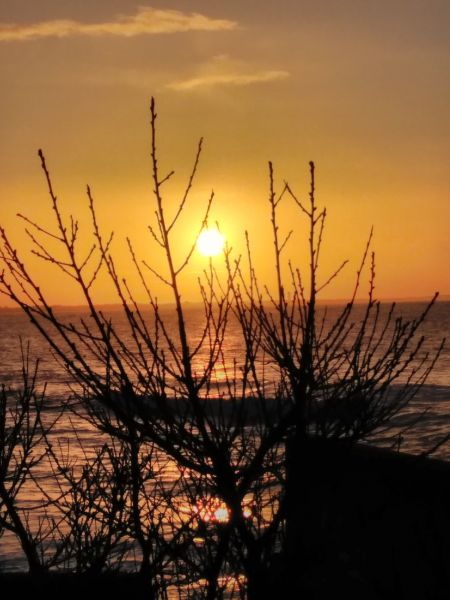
211,509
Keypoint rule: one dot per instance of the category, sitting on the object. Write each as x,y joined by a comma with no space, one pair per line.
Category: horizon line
390,299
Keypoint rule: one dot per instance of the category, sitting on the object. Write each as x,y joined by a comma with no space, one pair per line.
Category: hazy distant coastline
193,304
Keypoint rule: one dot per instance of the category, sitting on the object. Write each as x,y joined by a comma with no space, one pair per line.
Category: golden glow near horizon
360,88
210,242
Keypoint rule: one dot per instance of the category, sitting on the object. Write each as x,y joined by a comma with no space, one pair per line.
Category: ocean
424,422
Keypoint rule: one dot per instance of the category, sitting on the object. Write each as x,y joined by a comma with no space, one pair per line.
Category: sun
210,242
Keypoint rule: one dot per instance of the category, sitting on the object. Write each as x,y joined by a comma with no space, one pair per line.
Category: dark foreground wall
377,526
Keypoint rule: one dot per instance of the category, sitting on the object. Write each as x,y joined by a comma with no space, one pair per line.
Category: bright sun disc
210,242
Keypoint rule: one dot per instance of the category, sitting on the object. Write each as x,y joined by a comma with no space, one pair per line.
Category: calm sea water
15,329
434,396
430,408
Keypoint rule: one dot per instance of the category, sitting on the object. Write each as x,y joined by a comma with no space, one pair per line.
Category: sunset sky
361,87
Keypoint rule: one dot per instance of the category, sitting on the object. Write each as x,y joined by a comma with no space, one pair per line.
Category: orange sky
361,88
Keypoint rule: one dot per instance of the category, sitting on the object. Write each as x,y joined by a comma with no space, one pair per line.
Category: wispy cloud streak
146,21
208,81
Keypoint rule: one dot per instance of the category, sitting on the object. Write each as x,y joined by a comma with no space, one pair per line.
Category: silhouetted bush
236,505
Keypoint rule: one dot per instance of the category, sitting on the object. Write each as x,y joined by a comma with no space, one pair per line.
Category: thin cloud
147,21
208,81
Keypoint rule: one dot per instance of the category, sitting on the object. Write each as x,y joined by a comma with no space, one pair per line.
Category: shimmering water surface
430,408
